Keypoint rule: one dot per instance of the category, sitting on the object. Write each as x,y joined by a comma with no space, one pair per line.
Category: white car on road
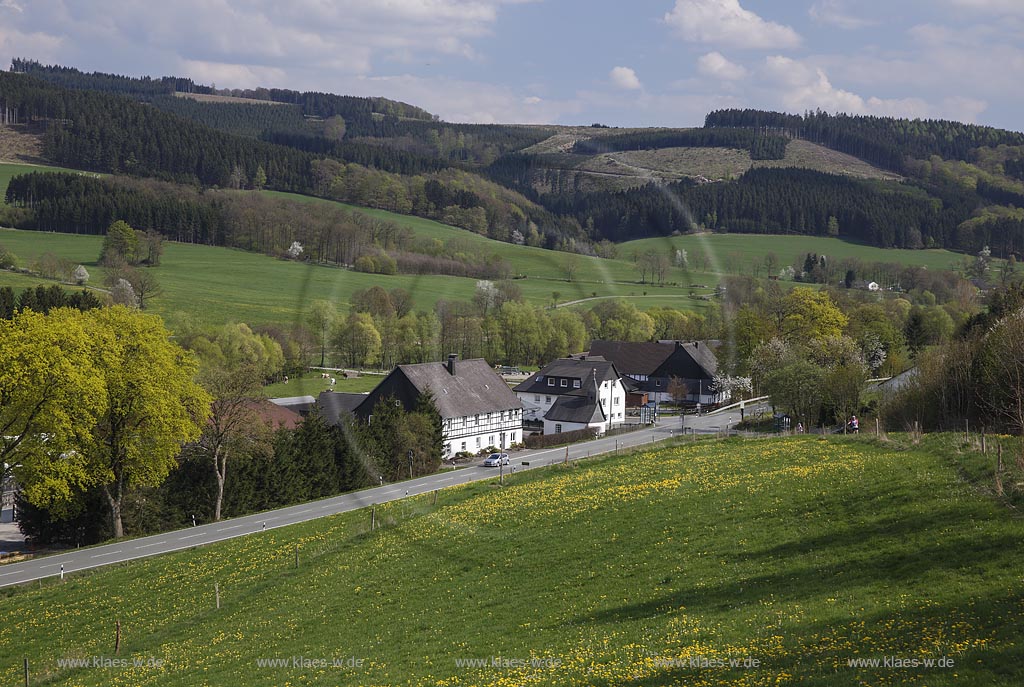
496,460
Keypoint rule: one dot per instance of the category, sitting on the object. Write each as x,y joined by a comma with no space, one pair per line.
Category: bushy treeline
242,119
760,146
43,299
884,141
145,87
977,377
109,133
380,157
313,461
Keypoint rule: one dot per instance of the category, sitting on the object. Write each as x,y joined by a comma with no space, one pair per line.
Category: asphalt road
83,559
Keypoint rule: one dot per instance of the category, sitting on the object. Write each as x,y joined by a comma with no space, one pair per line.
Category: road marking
156,543
52,565
101,555
192,536
233,527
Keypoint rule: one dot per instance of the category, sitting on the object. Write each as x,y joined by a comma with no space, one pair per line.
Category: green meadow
216,285
768,562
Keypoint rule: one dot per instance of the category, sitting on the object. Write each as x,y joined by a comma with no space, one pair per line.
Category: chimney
452,357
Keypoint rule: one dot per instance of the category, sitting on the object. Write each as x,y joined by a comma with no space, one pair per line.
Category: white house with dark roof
477,407
652,366
574,393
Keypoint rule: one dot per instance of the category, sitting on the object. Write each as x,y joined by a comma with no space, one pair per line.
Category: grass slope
737,253
798,553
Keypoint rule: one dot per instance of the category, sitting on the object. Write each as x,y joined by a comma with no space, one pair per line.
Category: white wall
479,432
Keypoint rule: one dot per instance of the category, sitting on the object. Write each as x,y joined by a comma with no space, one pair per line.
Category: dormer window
565,382
575,384
551,382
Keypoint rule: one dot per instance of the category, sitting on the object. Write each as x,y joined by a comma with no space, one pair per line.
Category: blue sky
639,63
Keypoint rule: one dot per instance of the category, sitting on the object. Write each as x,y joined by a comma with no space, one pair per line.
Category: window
478,442
575,384
615,401
547,399
536,398
476,418
551,382
558,429
565,382
463,445
657,382
490,440
604,402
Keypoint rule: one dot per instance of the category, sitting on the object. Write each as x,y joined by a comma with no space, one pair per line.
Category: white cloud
624,78
341,36
716,65
456,100
805,86
832,12
991,6
725,22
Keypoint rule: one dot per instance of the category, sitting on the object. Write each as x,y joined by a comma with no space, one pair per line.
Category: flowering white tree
295,250
681,259
729,385
123,293
80,275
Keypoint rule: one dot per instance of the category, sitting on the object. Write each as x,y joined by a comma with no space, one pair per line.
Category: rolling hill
792,558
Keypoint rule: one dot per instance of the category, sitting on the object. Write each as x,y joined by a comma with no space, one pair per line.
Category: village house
574,393
652,367
478,410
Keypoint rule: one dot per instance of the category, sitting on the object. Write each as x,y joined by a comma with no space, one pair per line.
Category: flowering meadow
792,561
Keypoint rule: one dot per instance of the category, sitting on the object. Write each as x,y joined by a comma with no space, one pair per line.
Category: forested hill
949,184
311,103
103,132
884,141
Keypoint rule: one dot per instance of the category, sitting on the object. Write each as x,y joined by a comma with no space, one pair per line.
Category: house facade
574,393
653,367
477,408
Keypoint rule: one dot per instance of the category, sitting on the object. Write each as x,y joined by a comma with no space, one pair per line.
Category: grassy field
796,553
218,285
311,384
738,253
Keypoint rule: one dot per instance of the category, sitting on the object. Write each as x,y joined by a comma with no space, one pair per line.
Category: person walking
855,425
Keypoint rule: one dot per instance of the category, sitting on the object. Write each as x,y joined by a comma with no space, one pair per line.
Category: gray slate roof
333,405
569,368
691,360
474,388
575,407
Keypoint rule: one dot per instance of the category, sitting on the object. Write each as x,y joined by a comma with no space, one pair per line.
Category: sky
637,63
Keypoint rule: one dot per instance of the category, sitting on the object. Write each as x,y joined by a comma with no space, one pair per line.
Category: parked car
495,460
